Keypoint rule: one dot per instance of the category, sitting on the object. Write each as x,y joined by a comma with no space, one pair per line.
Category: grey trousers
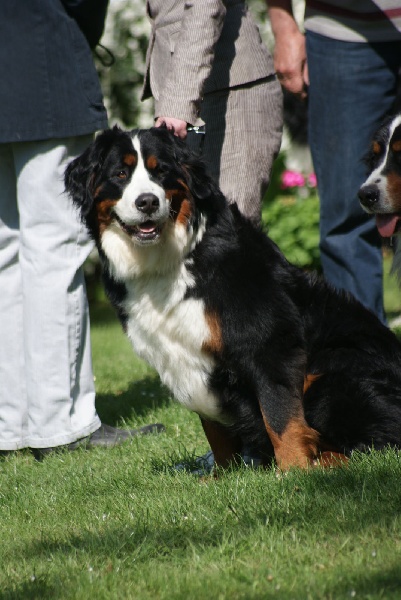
47,395
243,137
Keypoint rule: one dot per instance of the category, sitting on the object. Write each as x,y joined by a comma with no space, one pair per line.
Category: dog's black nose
369,195
147,203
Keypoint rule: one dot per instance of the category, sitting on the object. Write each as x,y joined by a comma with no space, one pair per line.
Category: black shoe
5,453
106,437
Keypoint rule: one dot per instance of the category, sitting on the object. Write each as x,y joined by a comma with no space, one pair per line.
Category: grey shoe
105,437
108,436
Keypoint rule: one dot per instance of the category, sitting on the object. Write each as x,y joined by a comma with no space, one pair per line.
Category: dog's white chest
168,332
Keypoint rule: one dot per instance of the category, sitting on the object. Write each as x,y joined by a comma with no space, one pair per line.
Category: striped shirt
355,20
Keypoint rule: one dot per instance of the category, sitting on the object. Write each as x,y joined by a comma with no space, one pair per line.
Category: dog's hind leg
296,445
225,447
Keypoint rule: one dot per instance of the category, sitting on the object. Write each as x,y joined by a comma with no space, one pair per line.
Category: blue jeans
352,87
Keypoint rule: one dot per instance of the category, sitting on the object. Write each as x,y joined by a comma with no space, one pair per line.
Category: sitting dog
269,356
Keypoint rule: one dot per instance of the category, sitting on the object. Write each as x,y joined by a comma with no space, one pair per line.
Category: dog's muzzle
369,196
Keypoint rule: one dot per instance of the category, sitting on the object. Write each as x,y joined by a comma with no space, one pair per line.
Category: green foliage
126,36
293,223
392,294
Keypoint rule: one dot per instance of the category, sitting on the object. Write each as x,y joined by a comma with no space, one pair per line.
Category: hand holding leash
177,126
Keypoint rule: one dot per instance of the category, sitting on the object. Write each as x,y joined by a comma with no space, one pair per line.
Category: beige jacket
200,46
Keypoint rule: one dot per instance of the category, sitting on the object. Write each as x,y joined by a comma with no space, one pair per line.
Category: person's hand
290,48
290,63
178,127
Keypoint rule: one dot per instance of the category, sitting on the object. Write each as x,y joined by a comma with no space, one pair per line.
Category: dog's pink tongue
386,224
147,227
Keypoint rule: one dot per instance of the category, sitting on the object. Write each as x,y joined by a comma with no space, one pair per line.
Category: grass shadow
35,589
141,398
101,312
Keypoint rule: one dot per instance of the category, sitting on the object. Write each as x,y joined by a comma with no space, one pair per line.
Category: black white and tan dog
269,356
381,193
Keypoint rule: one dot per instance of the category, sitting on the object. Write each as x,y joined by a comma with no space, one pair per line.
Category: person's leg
13,399
243,137
351,88
53,248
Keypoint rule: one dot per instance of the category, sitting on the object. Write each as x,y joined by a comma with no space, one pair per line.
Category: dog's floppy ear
199,181
79,177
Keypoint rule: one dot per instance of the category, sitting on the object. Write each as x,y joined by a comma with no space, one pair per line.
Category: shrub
290,214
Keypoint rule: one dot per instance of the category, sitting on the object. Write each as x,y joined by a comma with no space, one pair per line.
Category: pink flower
312,182
290,179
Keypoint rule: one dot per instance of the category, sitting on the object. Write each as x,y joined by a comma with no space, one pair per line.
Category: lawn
125,524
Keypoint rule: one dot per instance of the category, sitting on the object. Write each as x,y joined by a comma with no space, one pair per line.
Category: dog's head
143,196
381,192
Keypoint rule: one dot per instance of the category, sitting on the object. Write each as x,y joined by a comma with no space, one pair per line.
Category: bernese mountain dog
381,192
269,356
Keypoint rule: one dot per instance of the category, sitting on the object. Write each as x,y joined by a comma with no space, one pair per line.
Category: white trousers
47,395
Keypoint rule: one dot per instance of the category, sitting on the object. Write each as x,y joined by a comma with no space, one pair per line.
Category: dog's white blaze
168,332
376,176
141,183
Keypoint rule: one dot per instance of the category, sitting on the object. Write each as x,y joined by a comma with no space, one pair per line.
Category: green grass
122,523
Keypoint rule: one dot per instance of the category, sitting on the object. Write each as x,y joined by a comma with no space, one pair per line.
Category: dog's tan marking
176,197
180,206
309,379
329,459
184,184
394,191
151,162
103,211
224,447
296,446
185,212
376,148
214,343
396,146
130,160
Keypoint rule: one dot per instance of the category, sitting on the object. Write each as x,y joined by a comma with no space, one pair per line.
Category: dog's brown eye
396,146
376,148
122,175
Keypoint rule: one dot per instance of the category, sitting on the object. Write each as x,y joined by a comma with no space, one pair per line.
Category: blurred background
291,206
